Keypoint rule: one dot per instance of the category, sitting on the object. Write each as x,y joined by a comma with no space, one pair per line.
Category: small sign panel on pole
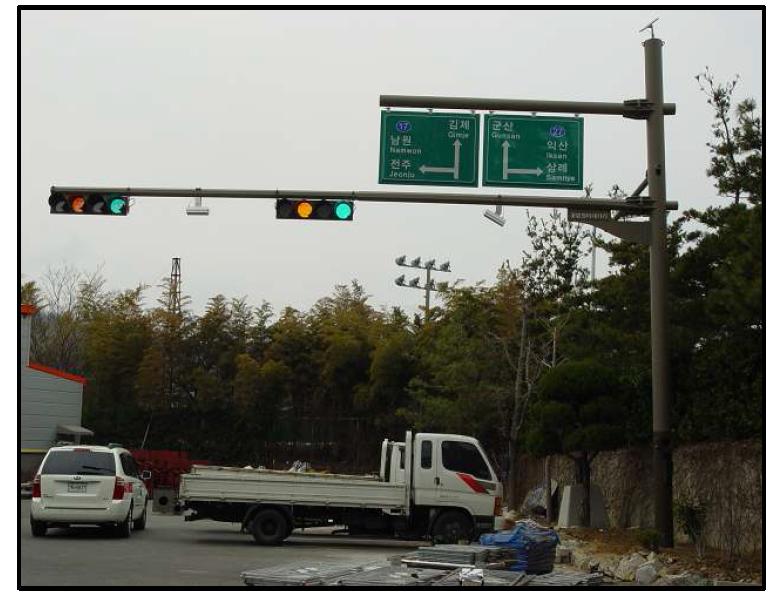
533,151
429,149
589,215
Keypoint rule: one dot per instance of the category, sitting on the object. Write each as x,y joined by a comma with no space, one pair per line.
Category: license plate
75,487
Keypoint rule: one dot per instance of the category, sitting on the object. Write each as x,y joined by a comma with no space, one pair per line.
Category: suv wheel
141,522
124,527
38,527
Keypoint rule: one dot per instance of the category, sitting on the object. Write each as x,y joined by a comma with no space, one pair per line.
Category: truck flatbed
216,483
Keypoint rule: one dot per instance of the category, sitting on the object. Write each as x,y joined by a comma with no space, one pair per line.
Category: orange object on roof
58,373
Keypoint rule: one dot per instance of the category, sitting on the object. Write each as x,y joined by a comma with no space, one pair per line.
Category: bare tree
67,297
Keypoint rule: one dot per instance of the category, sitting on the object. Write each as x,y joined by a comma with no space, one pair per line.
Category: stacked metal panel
566,579
488,578
453,556
306,574
392,576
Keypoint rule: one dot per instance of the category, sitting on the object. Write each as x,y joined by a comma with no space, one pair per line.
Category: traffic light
305,209
88,204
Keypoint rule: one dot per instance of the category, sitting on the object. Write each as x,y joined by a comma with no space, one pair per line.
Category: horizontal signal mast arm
639,204
636,108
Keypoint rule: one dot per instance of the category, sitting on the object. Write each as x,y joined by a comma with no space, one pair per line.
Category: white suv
89,485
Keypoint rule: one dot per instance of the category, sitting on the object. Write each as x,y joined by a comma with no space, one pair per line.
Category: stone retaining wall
724,476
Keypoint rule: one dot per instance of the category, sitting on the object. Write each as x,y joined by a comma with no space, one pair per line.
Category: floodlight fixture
197,209
496,216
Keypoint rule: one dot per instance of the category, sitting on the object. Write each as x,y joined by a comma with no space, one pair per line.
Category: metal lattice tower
175,287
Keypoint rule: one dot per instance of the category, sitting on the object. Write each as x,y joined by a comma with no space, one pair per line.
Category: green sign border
485,182
438,183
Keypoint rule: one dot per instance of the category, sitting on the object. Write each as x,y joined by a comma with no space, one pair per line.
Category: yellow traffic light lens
77,204
304,209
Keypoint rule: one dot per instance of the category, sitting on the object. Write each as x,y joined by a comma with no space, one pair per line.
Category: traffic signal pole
659,336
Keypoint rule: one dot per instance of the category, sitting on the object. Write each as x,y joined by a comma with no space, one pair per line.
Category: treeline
542,360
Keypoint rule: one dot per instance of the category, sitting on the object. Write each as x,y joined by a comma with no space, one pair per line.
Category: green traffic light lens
343,211
117,205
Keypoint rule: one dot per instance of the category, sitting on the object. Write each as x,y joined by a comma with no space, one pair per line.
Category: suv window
464,458
129,465
79,462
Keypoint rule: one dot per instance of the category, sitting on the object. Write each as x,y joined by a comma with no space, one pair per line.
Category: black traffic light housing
95,204
306,209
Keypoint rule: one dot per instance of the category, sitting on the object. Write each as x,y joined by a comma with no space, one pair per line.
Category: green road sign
533,151
426,148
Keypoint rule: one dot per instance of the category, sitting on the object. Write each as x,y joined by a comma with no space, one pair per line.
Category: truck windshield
462,457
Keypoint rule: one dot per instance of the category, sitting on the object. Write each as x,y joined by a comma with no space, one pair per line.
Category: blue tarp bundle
534,545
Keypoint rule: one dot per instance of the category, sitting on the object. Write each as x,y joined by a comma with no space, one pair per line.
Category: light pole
429,285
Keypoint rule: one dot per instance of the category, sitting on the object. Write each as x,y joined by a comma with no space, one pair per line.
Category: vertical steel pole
427,296
656,176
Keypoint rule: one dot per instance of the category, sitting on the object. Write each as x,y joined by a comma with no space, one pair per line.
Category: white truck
437,486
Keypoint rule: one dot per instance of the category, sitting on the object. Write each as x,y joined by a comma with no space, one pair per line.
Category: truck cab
444,472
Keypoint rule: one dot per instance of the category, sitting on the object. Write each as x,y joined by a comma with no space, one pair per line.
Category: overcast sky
265,100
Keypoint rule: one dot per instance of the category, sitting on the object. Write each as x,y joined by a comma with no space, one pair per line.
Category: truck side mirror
146,475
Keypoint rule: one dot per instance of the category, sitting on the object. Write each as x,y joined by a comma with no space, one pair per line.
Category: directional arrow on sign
506,170
445,170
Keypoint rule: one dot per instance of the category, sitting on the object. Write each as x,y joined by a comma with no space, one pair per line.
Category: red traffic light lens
77,204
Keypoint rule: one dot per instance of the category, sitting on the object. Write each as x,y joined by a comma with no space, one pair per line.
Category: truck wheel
269,527
452,527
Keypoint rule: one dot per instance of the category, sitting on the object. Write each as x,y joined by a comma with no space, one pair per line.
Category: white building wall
47,400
